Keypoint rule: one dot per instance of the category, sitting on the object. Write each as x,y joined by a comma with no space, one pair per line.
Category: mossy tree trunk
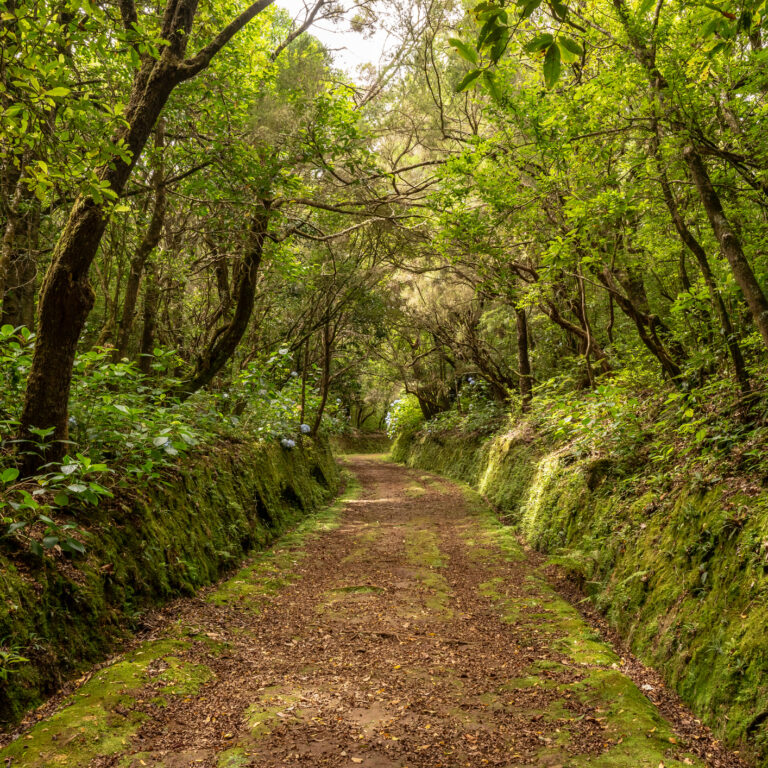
149,319
523,359
226,338
695,247
148,244
727,238
66,296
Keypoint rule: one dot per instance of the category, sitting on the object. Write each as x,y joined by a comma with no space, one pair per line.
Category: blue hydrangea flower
288,443
305,429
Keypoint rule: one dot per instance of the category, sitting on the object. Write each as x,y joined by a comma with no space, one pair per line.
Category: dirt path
403,628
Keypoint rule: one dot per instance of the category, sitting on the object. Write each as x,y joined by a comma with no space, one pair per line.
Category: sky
350,49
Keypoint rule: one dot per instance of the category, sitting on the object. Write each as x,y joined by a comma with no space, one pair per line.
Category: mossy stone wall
144,548
683,577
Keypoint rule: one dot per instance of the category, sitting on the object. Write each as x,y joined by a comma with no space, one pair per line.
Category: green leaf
77,488
528,7
560,10
552,66
717,48
710,28
487,30
500,45
539,43
466,81
49,542
9,475
17,526
73,545
570,50
59,92
464,50
490,83
61,499
644,7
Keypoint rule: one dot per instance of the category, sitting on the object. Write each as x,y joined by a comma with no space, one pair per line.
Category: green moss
147,548
635,733
683,577
422,551
182,678
421,548
361,443
263,715
100,718
234,758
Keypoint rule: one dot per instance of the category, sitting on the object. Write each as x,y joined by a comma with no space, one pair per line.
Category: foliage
404,416
128,431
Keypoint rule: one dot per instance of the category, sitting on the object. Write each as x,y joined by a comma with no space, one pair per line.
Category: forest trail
403,628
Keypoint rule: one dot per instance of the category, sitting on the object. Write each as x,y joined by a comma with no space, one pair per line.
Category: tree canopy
209,227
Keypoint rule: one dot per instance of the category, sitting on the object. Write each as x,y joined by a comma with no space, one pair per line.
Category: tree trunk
648,325
227,337
550,309
730,245
66,296
523,360
19,301
325,378
693,245
151,300
146,246
304,369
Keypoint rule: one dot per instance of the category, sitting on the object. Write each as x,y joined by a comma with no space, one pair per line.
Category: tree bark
730,245
151,298
225,340
19,300
693,245
550,309
66,296
325,378
523,359
728,240
648,325
148,244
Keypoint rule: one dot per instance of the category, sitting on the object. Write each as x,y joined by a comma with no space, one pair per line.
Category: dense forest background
211,231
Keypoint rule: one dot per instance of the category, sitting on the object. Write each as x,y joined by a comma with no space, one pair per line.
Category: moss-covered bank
63,615
361,442
682,576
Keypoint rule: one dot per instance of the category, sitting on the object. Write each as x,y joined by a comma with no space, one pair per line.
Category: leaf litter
413,633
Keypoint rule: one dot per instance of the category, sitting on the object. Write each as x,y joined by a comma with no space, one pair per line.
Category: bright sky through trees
351,49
